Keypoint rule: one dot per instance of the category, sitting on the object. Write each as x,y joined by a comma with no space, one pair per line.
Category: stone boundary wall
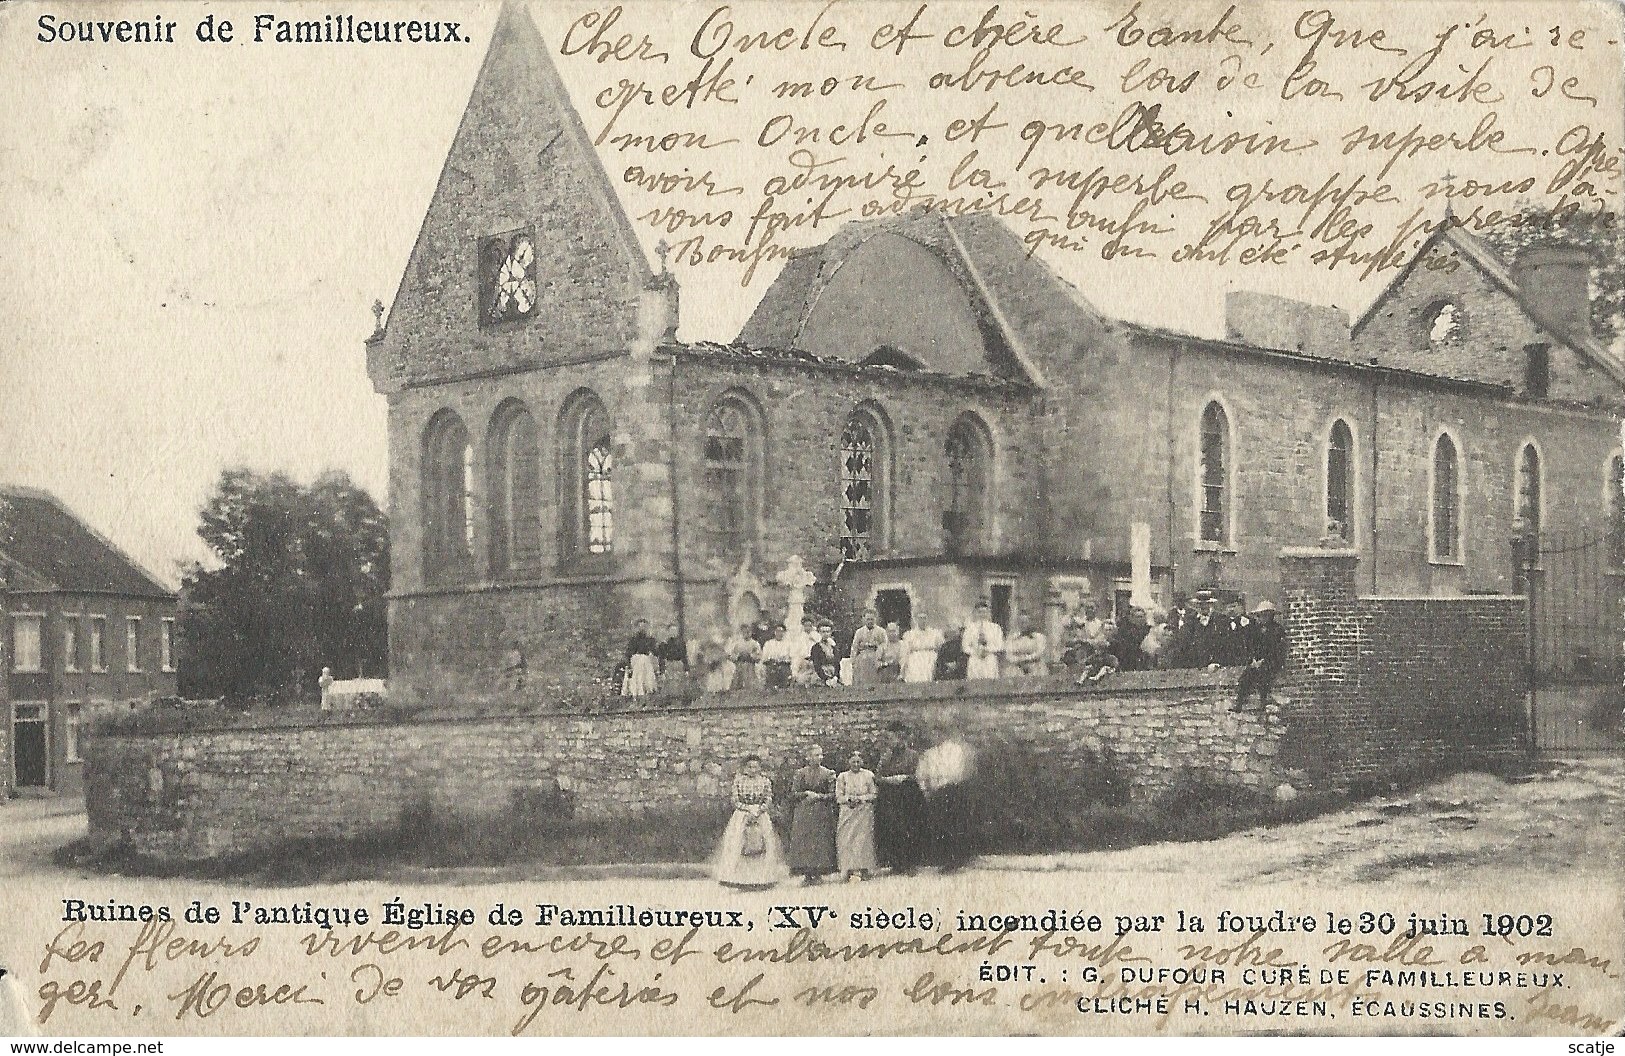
232,785
1375,690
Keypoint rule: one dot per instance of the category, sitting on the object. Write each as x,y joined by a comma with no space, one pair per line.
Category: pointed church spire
526,255
516,30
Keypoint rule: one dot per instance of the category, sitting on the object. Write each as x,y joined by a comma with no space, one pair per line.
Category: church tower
528,437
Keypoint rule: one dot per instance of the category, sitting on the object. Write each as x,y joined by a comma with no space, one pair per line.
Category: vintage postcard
935,517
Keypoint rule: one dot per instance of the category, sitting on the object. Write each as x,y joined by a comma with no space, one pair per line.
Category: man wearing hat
1266,655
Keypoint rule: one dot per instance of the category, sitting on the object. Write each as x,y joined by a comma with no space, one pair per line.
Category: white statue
795,579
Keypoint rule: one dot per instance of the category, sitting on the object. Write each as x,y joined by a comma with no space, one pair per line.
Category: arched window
515,483
1215,475
448,492
970,462
1445,510
733,472
1528,507
588,477
1340,481
865,485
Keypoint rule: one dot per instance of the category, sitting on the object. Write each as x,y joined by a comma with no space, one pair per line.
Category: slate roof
45,547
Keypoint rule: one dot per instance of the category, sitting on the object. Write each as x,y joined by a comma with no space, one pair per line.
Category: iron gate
1574,585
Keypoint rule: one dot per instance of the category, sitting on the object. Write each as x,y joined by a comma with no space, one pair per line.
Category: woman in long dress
919,648
855,791
900,816
749,855
812,825
718,669
746,654
945,774
891,657
868,642
640,679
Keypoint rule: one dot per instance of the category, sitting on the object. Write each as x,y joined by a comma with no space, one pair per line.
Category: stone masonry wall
213,791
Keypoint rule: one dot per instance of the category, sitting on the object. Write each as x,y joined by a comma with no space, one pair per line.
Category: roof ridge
42,495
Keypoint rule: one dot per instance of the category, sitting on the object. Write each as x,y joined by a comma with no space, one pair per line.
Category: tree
300,586
1600,232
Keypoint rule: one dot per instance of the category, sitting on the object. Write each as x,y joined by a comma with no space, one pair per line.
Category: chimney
1556,279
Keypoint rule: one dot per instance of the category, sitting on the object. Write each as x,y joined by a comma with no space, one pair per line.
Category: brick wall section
1384,687
204,792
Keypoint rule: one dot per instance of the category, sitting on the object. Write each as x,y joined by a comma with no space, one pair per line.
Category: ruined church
925,416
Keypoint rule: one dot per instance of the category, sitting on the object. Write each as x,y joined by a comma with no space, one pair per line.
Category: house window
70,641
1340,481
448,492
26,631
732,472
1445,509
969,453
98,643
864,482
132,643
1529,497
72,717
1443,321
1214,472
588,477
515,489
1537,369
166,645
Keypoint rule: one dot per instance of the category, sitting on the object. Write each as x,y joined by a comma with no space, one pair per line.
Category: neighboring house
86,629
923,410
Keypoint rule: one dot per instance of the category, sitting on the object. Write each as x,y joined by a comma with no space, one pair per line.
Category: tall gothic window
1340,481
1445,544
515,489
733,461
448,492
588,477
1529,484
1215,470
970,458
865,485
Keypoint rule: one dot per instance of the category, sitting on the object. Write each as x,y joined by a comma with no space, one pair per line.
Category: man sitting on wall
1266,655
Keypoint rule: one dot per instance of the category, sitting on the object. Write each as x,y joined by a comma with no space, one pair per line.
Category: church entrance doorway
893,605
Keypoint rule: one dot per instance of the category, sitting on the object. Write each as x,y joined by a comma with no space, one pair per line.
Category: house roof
1488,262
45,547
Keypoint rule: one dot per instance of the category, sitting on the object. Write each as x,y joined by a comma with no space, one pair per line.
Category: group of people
756,656
1195,635
909,811
760,656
